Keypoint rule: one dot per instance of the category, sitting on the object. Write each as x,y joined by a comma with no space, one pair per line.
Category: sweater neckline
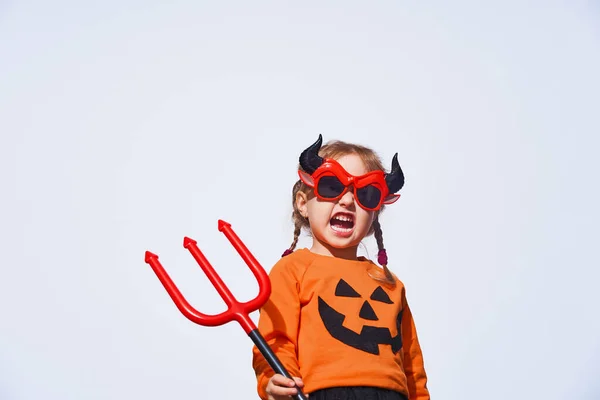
361,260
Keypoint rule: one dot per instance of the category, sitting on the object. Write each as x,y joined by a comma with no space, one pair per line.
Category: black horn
395,179
310,159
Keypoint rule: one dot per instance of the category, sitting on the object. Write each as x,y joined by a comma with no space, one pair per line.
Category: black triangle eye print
344,290
370,338
380,295
367,312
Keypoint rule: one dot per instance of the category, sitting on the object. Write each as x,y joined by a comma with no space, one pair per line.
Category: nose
347,199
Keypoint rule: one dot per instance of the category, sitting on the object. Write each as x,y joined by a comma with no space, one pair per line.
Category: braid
299,221
382,254
297,230
378,237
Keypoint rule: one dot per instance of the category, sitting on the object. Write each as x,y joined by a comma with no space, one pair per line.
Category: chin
342,243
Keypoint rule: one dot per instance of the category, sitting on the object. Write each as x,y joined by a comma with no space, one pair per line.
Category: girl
340,324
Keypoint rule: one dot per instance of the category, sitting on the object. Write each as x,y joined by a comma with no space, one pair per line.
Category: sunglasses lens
330,187
369,196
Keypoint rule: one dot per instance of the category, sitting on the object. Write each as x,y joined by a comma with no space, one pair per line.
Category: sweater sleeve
278,323
414,368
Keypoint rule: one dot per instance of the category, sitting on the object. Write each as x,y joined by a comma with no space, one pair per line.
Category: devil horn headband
310,161
395,179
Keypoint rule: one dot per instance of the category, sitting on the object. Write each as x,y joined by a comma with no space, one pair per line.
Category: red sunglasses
331,181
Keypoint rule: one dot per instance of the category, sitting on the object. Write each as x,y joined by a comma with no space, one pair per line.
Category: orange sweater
333,325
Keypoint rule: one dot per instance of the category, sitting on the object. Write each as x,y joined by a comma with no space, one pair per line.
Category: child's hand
281,388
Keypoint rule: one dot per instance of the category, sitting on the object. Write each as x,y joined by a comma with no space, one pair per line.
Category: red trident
236,311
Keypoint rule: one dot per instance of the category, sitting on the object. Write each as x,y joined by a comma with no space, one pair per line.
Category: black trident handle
273,361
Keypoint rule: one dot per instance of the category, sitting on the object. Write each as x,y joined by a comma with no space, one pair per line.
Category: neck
347,253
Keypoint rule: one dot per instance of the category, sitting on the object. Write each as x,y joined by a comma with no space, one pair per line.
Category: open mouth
342,223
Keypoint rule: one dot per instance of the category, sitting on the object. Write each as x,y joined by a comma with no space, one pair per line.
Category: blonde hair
336,149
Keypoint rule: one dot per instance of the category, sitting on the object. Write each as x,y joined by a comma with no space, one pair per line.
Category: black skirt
356,393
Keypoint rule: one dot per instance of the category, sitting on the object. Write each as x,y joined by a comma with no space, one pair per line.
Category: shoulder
395,286
400,288
293,265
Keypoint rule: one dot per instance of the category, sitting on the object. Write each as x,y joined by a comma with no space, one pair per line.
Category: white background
126,126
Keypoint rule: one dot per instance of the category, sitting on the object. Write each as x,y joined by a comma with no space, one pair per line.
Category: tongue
341,224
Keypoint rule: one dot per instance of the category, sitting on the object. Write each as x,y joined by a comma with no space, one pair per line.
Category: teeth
343,218
340,229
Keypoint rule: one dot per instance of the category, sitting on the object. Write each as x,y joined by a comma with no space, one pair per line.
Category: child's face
341,223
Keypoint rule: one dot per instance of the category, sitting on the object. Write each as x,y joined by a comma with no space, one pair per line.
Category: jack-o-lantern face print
370,337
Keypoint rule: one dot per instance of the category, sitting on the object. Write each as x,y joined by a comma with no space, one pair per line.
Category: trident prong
236,310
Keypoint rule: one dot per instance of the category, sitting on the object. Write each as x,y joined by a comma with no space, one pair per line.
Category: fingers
299,381
279,386
281,380
300,384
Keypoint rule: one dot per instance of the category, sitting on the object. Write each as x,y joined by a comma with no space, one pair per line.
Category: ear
301,203
391,198
306,178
